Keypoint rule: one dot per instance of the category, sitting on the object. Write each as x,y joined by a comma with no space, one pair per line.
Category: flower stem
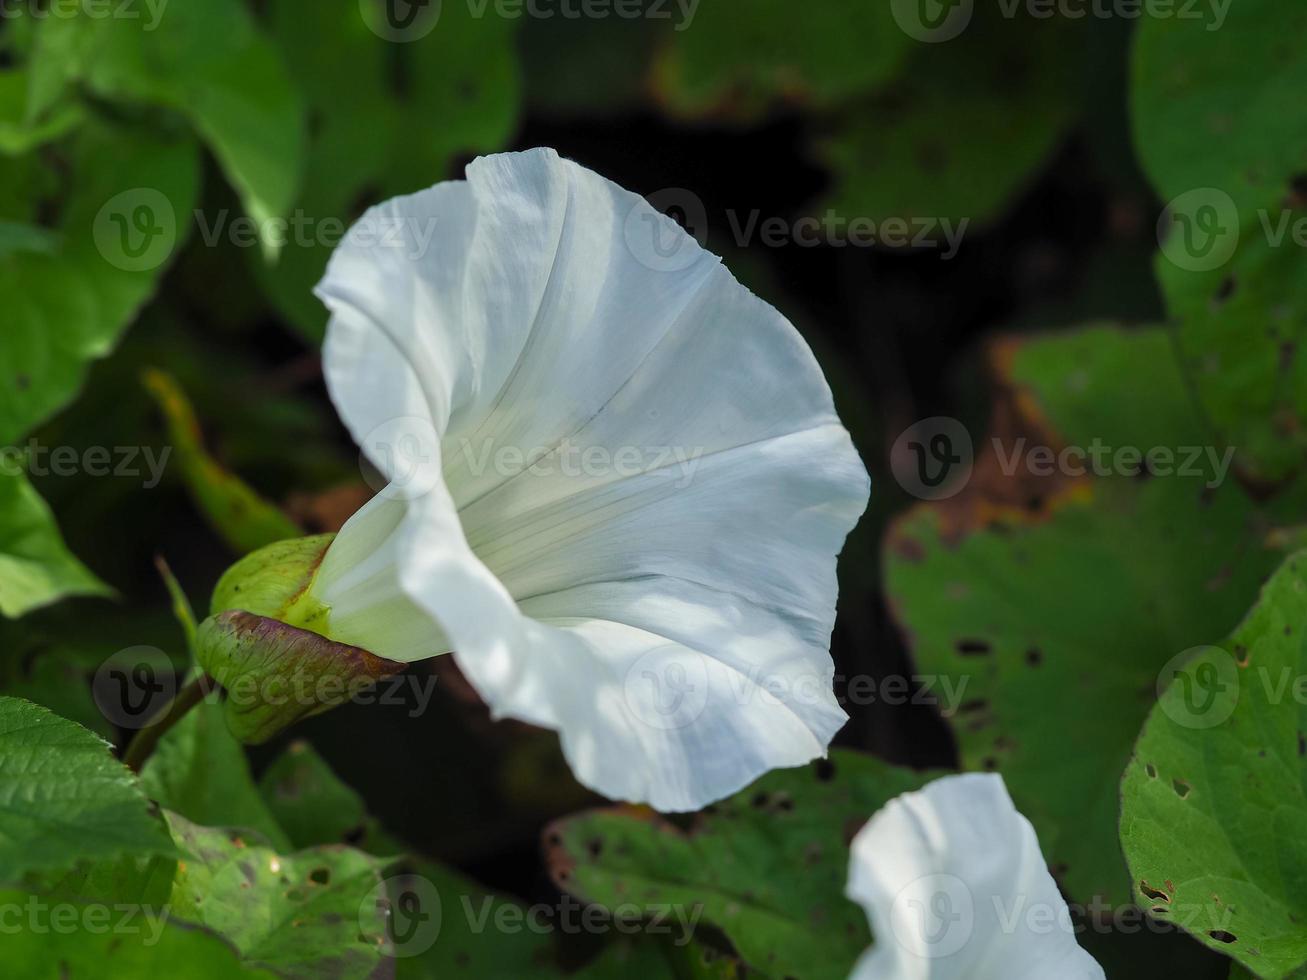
145,740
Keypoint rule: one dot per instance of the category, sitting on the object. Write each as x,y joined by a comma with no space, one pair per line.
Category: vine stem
144,741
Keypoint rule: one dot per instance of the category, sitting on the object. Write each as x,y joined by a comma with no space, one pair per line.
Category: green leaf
1214,812
305,915
208,60
589,67
1242,331
56,679
200,771
1053,622
66,308
1121,386
1221,130
18,132
244,520
1222,108
460,97
721,61
36,569
1058,627
768,866
313,805
960,133
63,798
108,942
461,948
481,934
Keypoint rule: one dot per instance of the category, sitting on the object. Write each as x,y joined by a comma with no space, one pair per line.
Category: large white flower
955,886
658,584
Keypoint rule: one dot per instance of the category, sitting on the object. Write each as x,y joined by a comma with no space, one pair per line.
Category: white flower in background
955,886
665,602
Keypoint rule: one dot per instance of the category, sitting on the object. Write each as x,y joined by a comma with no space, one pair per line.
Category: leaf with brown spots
1213,802
1080,600
767,866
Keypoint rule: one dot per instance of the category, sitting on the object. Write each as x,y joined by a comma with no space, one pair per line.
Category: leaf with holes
64,798
767,866
1056,627
306,915
1213,807
1054,622
1221,129
117,941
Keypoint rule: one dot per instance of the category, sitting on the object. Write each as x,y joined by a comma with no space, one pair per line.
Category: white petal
955,886
665,604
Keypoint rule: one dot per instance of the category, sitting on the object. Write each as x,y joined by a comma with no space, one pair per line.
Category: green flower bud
265,643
